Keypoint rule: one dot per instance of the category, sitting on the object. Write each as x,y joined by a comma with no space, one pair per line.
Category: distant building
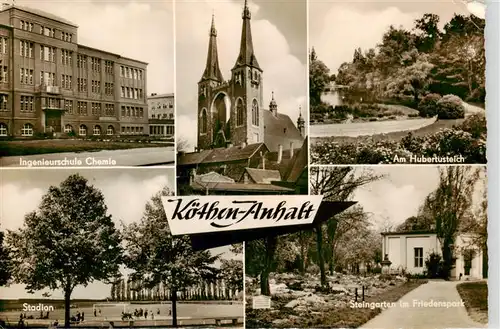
408,251
50,83
161,115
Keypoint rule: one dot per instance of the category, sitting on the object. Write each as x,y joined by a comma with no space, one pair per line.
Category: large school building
51,84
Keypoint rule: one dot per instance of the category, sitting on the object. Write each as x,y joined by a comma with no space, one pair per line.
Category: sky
337,28
141,30
279,32
399,193
126,191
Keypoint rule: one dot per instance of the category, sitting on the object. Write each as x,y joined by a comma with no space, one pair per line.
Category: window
66,57
27,103
3,102
81,61
110,130
239,112
4,78
27,130
122,71
67,81
255,113
3,129
108,88
109,109
68,106
83,130
419,257
68,128
4,45
48,54
123,92
96,109
26,49
95,64
82,108
82,84
108,67
97,130
203,122
21,25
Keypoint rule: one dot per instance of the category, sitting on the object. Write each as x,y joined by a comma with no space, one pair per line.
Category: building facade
408,251
161,115
232,111
51,84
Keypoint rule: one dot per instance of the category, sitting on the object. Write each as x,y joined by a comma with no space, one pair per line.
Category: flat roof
110,53
40,13
161,95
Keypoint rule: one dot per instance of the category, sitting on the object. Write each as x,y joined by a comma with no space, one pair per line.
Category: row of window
160,106
162,116
44,30
133,130
27,130
96,108
131,111
96,131
162,130
240,110
132,93
130,73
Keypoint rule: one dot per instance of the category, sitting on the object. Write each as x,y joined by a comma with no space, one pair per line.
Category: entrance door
468,255
53,121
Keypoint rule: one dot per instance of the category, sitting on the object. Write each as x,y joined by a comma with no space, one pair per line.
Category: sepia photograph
93,248
81,85
241,88
409,250
407,86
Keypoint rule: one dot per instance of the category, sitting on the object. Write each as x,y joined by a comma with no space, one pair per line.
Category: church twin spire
247,54
212,68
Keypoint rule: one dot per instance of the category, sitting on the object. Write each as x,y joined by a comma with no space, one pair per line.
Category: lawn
395,136
29,147
335,317
475,297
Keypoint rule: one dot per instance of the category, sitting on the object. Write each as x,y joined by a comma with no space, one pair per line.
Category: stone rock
280,321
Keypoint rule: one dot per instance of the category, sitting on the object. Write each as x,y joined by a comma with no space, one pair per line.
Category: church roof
263,176
297,165
247,53
223,154
280,130
241,187
212,68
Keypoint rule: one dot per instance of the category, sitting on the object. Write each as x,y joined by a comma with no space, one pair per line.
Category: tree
5,261
157,257
319,78
69,241
336,184
232,273
449,204
113,291
428,33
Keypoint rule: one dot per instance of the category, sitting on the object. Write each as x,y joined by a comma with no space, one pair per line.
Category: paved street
130,157
425,317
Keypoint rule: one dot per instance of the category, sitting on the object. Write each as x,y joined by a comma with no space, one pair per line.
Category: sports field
188,313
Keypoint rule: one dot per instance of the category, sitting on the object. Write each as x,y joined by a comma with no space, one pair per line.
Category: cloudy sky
140,29
279,34
126,191
337,28
400,193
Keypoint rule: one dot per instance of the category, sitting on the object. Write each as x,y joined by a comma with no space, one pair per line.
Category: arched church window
255,113
203,121
239,113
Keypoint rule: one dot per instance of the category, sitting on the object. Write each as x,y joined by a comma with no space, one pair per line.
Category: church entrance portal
221,107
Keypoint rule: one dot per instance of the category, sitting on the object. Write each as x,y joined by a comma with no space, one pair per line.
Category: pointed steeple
247,54
212,69
273,106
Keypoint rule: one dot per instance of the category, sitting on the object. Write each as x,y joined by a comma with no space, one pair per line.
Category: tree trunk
67,306
319,242
271,245
174,307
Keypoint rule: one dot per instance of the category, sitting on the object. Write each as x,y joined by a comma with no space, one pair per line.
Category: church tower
301,124
211,78
247,116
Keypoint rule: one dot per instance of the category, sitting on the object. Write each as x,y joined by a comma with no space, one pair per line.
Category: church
241,146
231,112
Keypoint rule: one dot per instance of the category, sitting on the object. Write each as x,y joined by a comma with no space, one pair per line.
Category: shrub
428,105
475,125
450,107
434,266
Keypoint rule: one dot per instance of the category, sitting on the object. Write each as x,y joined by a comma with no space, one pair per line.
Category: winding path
419,317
